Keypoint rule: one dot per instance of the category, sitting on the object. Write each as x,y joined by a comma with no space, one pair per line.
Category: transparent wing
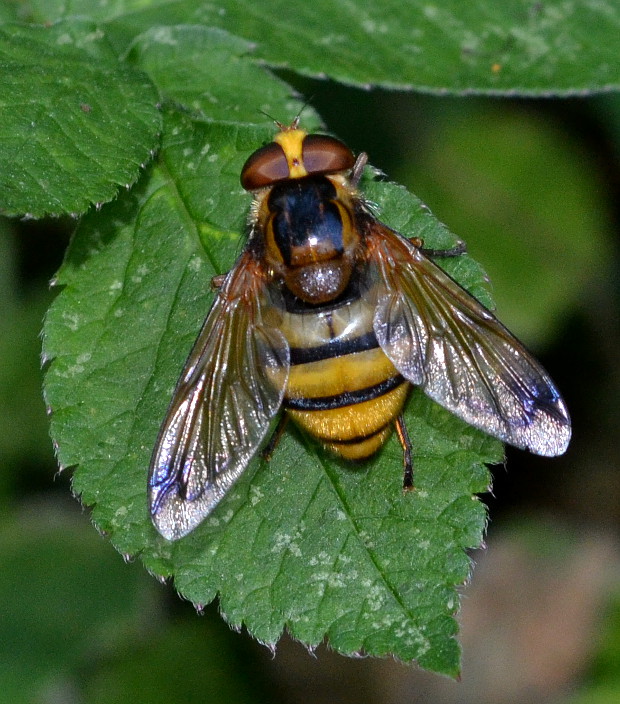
231,387
441,339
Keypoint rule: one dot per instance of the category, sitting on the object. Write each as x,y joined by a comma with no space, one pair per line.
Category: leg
218,281
459,248
358,169
403,436
270,447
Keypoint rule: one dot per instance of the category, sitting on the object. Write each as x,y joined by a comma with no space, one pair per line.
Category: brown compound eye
322,154
264,167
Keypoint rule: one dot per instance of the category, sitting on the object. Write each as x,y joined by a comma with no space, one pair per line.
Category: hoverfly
332,316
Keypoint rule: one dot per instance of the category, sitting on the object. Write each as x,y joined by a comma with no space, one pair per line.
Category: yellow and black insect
332,316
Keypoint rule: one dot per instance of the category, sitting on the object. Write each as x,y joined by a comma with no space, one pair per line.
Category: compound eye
322,154
266,166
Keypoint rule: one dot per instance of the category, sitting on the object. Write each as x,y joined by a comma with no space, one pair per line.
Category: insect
332,316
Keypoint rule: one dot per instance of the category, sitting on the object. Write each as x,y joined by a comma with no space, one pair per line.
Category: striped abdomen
342,388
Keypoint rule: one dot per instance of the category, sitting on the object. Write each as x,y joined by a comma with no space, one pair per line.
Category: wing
230,388
441,339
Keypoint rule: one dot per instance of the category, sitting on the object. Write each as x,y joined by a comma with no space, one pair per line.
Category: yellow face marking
291,142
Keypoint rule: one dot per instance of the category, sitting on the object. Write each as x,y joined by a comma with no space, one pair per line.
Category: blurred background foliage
533,188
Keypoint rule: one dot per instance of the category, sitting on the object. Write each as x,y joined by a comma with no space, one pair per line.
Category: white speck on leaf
256,495
195,264
163,35
375,597
71,320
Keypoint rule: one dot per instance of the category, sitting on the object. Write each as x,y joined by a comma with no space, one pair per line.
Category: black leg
403,436
456,251
270,447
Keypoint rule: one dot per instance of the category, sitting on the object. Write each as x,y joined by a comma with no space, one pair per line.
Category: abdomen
342,388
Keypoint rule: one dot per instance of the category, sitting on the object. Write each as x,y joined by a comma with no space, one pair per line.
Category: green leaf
207,71
516,46
76,124
306,542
